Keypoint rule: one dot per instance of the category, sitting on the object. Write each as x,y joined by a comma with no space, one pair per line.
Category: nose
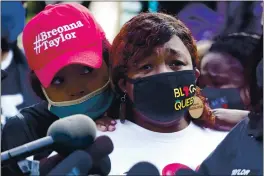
77,94
163,68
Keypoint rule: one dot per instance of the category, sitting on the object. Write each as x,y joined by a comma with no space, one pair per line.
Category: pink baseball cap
60,35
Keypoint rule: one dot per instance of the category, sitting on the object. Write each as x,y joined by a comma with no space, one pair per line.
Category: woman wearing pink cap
68,54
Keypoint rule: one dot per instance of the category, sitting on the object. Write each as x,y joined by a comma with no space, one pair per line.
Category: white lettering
49,34
66,28
68,36
51,43
43,36
79,24
42,39
60,29
73,35
57,41
240,172
46,46
54,32
73,26
62,38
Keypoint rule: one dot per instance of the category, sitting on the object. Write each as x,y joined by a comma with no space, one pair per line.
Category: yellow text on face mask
183,103
184,92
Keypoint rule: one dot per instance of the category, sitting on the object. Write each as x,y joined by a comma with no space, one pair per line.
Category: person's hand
227,118
105,124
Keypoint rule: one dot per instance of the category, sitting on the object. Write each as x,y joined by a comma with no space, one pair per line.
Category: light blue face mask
93,105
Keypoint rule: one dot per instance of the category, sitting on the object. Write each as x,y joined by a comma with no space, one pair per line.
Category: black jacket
30,124
240,153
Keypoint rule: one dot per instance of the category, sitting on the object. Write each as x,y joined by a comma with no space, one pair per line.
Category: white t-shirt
133,144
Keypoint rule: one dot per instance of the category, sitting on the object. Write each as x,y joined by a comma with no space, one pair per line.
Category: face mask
92,105
164,97
228,98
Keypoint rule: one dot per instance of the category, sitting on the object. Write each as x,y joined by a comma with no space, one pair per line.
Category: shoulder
226,150
38,111
30,124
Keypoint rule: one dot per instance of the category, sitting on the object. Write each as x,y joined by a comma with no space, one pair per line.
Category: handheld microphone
102,167
98,151
172,169
101,147
76,164
143,168
64,136
186,172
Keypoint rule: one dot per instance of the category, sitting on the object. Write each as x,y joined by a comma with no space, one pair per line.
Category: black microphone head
76,164
186,172
73,132
143,168
102,167
101,147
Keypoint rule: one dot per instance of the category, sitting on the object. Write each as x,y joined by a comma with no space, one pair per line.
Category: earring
122,109
197,108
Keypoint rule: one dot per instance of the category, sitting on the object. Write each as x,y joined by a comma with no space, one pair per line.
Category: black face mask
228,98
164,97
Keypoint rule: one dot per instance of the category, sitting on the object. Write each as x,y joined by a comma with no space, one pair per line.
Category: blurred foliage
34,7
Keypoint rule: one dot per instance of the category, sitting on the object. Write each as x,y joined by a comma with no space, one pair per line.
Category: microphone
98,151
47,164
186,172
143,168
76,164
101,147
172,169
64,136
102,167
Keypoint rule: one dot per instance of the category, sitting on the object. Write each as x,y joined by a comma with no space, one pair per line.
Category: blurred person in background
225,68
203,47
153,68
241,152
225,77
204,19
16,92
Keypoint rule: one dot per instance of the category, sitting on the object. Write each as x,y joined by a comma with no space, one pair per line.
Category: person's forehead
174,46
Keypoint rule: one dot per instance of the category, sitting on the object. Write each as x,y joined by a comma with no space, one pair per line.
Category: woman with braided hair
163,117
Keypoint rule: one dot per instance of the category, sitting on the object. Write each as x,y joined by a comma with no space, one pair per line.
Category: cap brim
92,57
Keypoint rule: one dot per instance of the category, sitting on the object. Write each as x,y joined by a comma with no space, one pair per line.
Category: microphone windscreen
73,132
47,164
144,169
102,167
171,169
101,148
76,164
186,172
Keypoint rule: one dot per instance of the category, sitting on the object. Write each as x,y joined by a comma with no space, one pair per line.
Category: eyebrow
174,52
